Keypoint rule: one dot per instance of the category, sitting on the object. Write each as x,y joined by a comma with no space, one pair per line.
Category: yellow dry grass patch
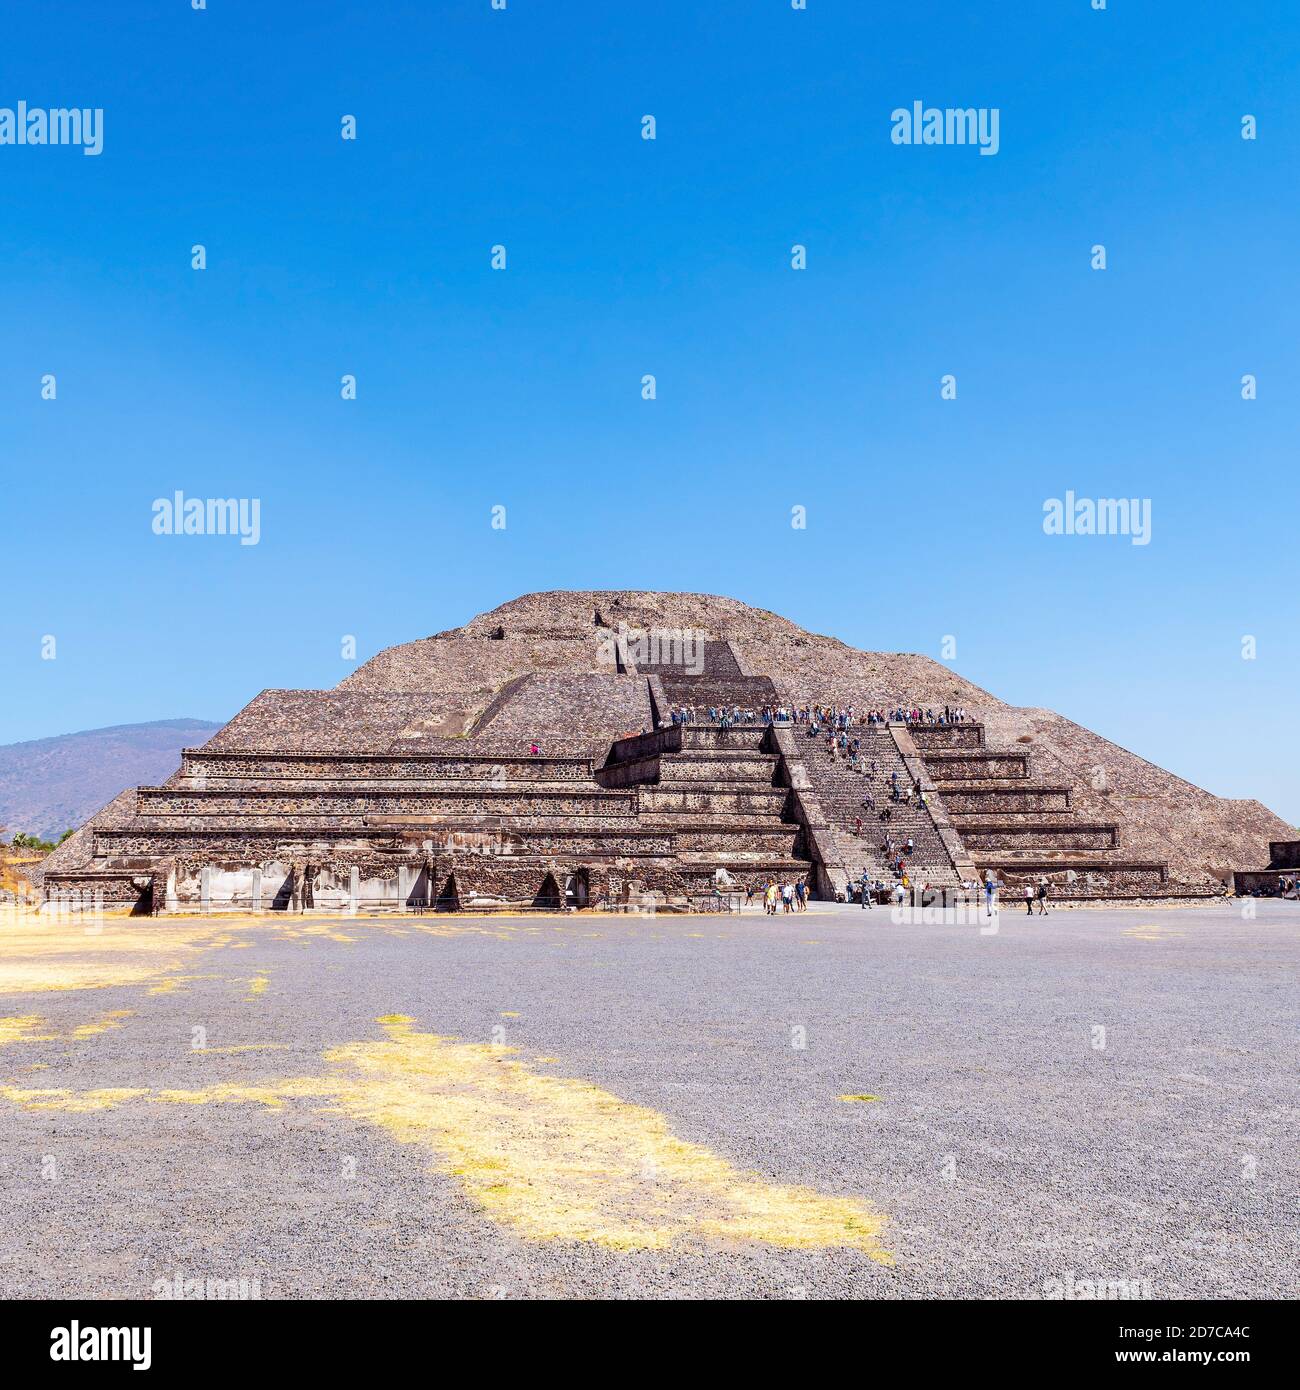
23,1028
40,954
59,1098
26,1028
102,1025
1150,931
552,1158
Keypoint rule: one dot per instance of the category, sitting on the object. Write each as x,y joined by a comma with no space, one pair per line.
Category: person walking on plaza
1029,899
990,887
1042,896
800,895
866,892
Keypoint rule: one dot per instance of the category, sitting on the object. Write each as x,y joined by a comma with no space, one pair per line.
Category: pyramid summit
599,747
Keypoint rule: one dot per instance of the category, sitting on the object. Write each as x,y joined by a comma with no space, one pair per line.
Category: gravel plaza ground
826,1105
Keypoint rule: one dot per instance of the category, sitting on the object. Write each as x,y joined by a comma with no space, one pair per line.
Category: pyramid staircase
842,790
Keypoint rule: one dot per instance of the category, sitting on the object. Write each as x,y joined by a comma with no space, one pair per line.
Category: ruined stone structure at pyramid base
529,759
1279,878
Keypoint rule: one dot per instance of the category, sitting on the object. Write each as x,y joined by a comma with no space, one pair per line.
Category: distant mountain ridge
49,785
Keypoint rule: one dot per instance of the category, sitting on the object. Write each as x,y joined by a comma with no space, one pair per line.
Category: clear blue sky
775,387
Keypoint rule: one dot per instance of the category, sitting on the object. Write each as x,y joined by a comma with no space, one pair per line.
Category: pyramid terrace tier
971,798
254,842
729,839
1079,876
703,693
667,800
1035,835
453,879
732,769
947,737
693,660
965,765
485,765
344,802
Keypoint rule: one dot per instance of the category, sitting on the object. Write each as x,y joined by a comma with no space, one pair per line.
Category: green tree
34,843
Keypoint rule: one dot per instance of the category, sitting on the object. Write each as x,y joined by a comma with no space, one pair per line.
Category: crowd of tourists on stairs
816,718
